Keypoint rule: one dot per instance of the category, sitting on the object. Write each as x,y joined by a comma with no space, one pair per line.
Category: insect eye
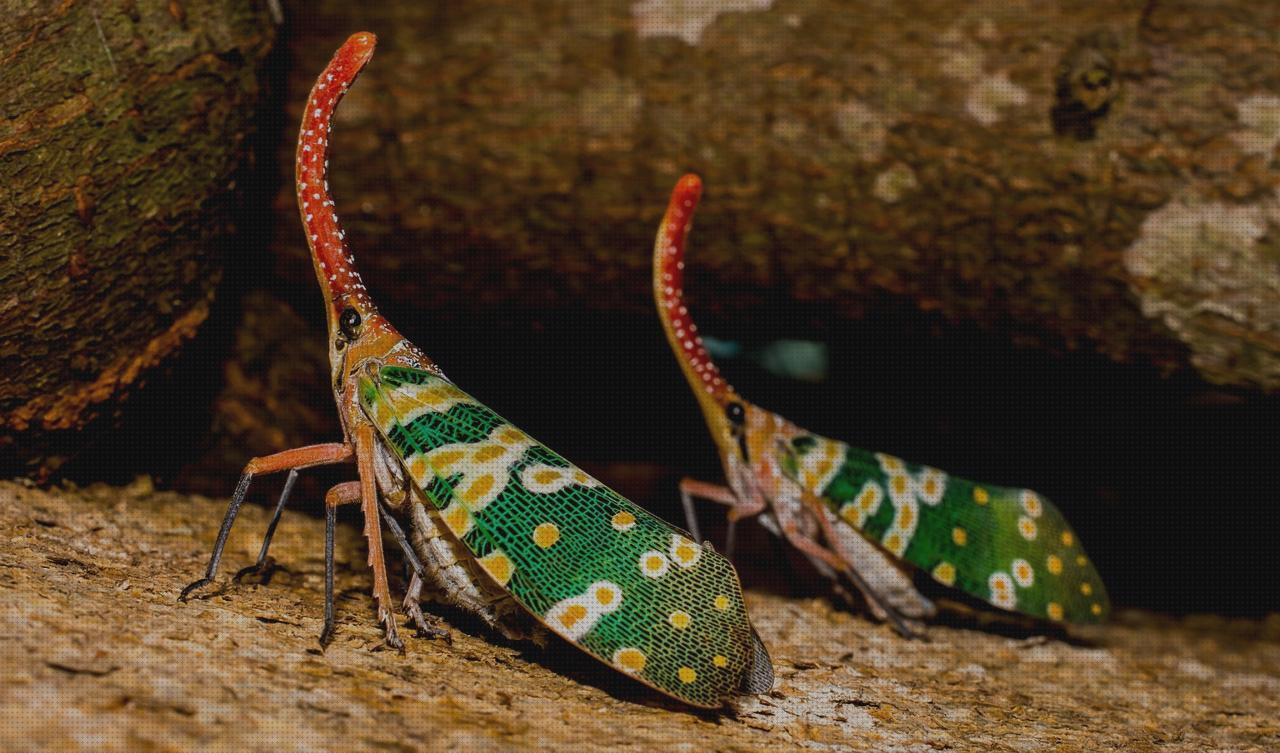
349,323
737,415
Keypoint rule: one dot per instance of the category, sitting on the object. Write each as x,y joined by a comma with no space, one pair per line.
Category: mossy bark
121,130
1015,165
99,656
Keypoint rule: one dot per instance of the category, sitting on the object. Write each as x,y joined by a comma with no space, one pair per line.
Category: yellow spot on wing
1054,564
654,564
443,460
721,602
1022,573
906,517
1086,589
889,463
945,573
487,453
1096,609
687,675
1032,504
960,536
572,615
606,593
720,661
684,552
623,521
1067,538
458,518
679,619
980,495
478,489
870,496
1054,610
546,476
1027,527
498,566
850,514
546,534
1001,585
630,660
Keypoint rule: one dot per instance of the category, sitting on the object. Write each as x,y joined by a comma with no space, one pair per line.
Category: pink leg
723,495
837,563
365,446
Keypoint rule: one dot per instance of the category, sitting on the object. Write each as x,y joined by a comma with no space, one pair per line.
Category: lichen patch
992,93
1210,272
686,19
1260,115
863,128
894,183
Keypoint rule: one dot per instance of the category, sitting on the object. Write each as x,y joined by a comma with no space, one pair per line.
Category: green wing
609,577
1009,547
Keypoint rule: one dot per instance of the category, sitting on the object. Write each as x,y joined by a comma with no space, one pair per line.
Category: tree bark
99,656
1068,174
121,130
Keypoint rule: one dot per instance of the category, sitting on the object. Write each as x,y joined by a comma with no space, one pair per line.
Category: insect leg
412,607
743,509
814,549
723,495
365,446
341,494
397,533
691,488
872,594
301,457
265,564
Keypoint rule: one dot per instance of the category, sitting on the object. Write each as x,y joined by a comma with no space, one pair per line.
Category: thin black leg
397,533
730,530
233,509
264,564
330,523
426,628
690,517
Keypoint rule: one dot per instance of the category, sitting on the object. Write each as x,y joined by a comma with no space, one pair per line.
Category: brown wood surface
122,125
99,656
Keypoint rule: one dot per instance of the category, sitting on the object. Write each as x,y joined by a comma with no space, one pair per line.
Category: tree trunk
122,128
1067,173
99,656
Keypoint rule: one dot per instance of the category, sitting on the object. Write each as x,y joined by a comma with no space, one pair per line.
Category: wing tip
759,675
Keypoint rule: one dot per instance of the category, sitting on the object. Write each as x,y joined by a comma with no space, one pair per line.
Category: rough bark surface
1068,173
121,128
98,656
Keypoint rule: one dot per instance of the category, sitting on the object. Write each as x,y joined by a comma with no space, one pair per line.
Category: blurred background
1029,243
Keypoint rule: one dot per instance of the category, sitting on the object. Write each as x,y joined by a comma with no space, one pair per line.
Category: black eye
349,323
736,413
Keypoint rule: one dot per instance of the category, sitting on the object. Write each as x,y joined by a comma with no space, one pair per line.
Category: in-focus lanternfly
500,525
